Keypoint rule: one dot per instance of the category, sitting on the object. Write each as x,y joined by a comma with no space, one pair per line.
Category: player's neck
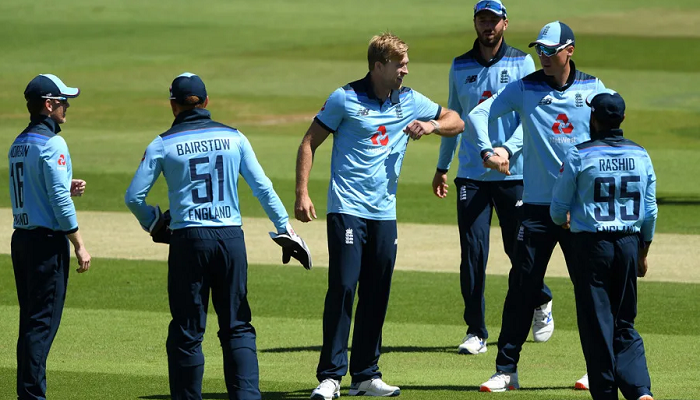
488,53
380,90
560,78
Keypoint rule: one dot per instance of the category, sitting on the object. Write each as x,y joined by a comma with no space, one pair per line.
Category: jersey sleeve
448,145
262,188
55,161
515,143
146,175
506,100
426,109
333,111
565,187
650,207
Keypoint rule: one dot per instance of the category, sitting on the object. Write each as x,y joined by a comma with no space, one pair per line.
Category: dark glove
292,246
160,229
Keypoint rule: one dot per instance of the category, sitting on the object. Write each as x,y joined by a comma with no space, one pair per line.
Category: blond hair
385,47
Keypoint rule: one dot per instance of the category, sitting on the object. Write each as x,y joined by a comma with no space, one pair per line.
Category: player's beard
486,42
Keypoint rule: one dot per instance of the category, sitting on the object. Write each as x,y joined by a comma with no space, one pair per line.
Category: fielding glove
160,228
292,246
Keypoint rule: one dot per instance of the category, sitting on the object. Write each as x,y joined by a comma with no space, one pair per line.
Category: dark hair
35,106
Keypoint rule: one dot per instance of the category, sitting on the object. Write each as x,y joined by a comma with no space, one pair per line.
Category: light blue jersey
553,120
40,179
201,160
608,185
369,145
473,81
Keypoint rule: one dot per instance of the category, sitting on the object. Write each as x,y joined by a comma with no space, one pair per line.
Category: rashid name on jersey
369,145
553,120
472,81
608,185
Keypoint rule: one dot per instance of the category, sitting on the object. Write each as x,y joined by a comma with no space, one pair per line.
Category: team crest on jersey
504,76
399,111
579,100
380,137
470,79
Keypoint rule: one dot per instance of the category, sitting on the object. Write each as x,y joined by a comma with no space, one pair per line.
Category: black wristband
486,154
442,171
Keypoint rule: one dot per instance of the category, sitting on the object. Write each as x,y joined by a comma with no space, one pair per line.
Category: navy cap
607,106
186,85
555,34
494,6
47,86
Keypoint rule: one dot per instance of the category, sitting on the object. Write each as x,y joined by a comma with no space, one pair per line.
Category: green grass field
269,66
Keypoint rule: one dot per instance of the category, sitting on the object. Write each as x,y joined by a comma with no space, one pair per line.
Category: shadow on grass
385,349
678,201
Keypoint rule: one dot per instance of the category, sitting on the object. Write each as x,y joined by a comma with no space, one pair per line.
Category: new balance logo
362,112
348,236
519,203
546,100
470,79
504,76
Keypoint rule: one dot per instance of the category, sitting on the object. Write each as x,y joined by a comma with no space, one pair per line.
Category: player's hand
642,266
304,209
502,152
440,184
160,229
418,129
293,246
77,187
83,259
567,224
498,163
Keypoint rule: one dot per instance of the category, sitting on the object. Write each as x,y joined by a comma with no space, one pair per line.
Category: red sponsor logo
324,105
380,137
562,125
485,96
62,160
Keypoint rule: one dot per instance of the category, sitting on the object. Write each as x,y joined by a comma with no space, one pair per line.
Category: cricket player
371,120
41,186
554,117
201,160
474,76
606,195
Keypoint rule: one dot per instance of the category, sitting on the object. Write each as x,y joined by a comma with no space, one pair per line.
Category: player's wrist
486,154
436,126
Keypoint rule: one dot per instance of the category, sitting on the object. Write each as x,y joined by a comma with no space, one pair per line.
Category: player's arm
505,101
144,179
431,118
651,211
261,186
565,189
514,143
55,159
326,122
448,144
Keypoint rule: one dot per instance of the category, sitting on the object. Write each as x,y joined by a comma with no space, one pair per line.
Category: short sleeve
333,111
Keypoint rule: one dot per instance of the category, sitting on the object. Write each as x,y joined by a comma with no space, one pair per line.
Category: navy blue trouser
475,202
200,260
535,242
364,251
606,306
41,261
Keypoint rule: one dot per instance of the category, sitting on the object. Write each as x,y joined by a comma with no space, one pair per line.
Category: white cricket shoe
500,382
472,344
374,387
328,389
582,384
543,323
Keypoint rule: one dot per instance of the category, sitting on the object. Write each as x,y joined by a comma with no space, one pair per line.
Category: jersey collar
46,121
487,63
367,83
191,116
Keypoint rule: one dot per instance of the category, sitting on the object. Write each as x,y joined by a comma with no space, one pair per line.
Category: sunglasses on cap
548,51
490,6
